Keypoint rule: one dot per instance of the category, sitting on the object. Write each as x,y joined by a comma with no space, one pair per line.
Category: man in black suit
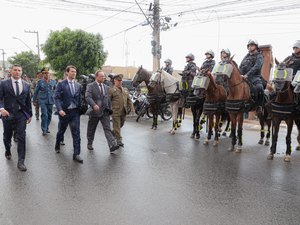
16,111
97,97
68,100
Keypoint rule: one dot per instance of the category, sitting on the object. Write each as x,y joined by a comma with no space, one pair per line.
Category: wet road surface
156,179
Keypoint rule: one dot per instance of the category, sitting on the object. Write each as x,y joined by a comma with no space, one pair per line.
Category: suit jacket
12,103
93,96
63,96
120,101
44,92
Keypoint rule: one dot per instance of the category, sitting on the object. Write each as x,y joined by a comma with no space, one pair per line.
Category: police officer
294,59
209,62
39,76
121,104
45,88
190,69
225,55
251,70
168,66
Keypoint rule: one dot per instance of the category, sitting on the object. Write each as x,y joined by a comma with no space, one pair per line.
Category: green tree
79,48
29,62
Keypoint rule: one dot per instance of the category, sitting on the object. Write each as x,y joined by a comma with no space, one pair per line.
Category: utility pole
37,39
3,53
156,48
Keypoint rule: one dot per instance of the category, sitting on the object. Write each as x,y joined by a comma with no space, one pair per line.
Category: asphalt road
156,179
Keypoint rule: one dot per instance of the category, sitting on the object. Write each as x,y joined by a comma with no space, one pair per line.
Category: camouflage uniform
251,67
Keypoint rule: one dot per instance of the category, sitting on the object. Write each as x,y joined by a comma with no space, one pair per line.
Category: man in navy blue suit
16,111
67,99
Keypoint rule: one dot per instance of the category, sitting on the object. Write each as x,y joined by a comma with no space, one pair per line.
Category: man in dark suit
68,100
98,99
16,111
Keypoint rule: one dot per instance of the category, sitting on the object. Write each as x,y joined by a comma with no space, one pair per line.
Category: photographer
97,97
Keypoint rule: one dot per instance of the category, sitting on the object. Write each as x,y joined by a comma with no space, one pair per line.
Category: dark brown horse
155,94
283,108
214,104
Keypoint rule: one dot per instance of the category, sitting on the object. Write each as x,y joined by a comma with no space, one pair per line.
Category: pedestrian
67,99
16,111
97,97
250,69
294,59
44,93
209,61
36,105
168,66
121,106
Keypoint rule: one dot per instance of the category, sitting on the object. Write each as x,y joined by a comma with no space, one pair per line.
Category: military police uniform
251,67
44,92
294,63
121,106
208,64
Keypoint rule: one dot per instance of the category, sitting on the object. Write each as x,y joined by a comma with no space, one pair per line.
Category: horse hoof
192,136
172,132
270,156
197,136
238,150
287,158
267,143
298,148
230,149
206,142
224,134
215,143
261,141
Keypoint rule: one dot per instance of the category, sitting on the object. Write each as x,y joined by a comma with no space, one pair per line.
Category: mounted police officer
209,62
250,69
294,59
190,69
44,92
225,55
168,66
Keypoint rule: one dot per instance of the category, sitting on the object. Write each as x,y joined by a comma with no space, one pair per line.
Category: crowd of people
106,100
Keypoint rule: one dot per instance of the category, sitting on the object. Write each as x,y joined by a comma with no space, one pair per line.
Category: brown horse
155,94
214,104
283,108
238,100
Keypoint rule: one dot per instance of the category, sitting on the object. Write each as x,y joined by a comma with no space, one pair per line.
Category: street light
23,43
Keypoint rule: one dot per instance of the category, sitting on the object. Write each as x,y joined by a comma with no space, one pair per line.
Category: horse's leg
155,115
210,119
199,125
233,120
262,126
227,128
275,129
269,123
218,117
297,122
202,121
289,123
240,119
194,113
174,107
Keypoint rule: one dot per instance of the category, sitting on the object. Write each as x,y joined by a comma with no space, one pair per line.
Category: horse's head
155,79
201,83
140,76
282,76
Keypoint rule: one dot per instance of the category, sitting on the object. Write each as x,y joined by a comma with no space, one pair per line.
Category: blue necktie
17,88
72,88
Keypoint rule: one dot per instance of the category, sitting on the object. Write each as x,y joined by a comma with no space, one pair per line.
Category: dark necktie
17,88
101,90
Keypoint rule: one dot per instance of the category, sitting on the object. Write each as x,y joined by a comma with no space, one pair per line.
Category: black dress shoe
90,147
44,133
62,143
22,167
57,148
114,148
77,158
8,155
47,131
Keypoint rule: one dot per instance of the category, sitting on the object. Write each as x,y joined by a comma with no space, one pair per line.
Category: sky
201,25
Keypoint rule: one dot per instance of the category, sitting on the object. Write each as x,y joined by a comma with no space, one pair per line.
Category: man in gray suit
98,99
